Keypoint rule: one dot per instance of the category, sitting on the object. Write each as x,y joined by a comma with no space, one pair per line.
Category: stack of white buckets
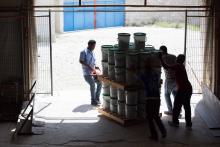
117,62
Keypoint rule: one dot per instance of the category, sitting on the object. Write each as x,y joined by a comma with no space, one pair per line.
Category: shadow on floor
83,108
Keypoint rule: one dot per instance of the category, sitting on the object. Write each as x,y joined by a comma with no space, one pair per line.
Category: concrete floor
69,120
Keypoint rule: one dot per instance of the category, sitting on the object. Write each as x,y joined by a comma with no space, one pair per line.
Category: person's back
151,81
171,60
184,91
182,80
170,79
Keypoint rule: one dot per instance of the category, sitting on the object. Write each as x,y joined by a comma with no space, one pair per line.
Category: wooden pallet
118,119
117,84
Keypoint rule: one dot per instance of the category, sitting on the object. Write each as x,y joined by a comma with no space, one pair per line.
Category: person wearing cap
183,93
170,82
90,71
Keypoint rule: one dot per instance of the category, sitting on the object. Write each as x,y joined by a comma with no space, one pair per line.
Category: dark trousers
153,108
182,99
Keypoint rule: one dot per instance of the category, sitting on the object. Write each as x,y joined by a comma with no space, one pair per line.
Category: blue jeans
170,85
94,90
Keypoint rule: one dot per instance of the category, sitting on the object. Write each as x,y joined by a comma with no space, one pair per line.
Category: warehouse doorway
70,88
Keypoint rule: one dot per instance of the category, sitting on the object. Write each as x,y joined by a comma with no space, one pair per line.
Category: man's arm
84,63
166,66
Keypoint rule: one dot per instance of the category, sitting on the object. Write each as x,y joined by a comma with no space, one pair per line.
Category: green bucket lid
139,34
124,34
107,46
113,49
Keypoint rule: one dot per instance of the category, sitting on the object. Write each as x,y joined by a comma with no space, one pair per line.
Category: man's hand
93,72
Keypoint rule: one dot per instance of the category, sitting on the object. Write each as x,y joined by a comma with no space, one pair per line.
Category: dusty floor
69,120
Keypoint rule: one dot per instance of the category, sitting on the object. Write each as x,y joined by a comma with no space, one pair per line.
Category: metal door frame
187,16
50,50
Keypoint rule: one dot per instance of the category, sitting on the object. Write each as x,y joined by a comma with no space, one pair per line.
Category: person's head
163,49
180,59
91,44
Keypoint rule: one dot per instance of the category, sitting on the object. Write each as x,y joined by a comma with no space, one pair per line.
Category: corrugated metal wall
90,20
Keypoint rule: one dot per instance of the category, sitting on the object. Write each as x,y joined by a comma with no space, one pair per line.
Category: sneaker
189,127
98,102
173,124
168,112
164,134
155,138
94,103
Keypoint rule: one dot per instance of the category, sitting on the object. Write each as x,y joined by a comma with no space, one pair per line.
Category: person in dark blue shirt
151,81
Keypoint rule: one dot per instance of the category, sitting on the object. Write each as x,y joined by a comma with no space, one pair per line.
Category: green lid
124,34
139,34
119,52
107,46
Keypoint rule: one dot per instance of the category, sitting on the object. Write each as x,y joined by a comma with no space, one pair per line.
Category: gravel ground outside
66,68
69,84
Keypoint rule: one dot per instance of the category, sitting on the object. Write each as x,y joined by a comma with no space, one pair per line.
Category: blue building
75,19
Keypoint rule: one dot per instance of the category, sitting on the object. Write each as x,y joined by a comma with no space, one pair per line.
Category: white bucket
123,41
105,49
131,46
142,111
139,36
139,39
131,78
149,48
114,101
113,105
121,108
145,59
111,56
131,112
155,60
113,92
106,89
121,95
132,60
111,71
131,97
120,75
106,105
141,96
106,102
105,68
120,59
106,97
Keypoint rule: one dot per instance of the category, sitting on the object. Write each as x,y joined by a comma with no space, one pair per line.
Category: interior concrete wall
41,25
11,49
217,45
59,22
10,3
